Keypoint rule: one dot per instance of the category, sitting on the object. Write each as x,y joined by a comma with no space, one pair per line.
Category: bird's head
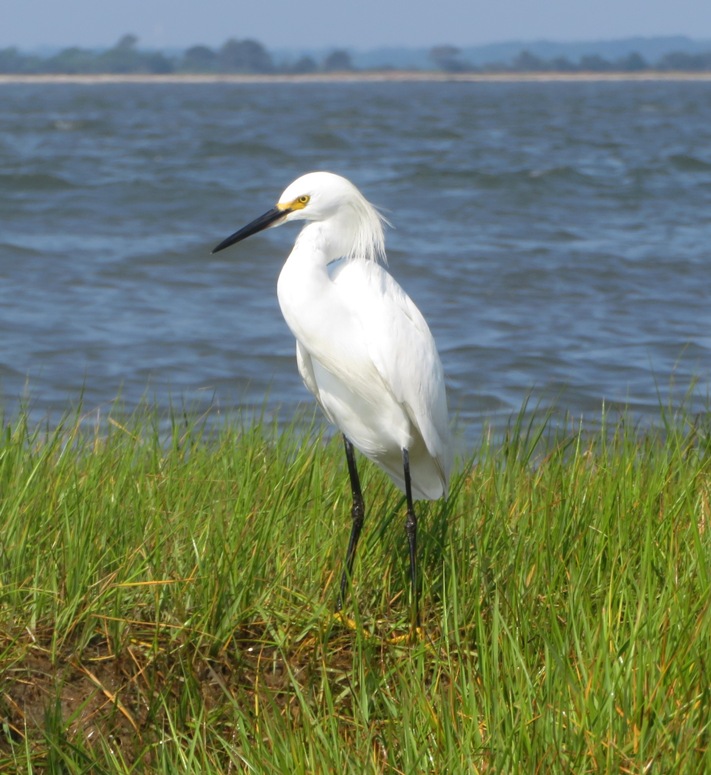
324,196
317,196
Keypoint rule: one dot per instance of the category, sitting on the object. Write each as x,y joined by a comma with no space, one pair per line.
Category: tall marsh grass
166,604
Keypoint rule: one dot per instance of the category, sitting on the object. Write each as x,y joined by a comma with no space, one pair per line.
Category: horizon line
394,76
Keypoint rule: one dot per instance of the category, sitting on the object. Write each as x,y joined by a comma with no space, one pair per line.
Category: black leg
357,516
411,530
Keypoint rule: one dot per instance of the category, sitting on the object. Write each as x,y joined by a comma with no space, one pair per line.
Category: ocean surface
556,236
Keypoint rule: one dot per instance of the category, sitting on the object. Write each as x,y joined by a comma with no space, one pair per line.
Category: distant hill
651,49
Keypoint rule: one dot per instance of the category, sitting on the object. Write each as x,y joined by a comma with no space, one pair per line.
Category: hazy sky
358,24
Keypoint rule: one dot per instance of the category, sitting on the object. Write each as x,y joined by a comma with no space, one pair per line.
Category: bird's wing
306,370
402,350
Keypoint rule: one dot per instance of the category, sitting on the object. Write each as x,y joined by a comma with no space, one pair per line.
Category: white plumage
363,348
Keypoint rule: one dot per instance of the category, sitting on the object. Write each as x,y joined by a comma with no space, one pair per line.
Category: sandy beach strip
355,77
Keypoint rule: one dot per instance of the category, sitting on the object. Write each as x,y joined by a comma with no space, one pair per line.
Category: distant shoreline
393,76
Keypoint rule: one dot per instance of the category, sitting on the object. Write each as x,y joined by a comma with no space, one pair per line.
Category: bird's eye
303,200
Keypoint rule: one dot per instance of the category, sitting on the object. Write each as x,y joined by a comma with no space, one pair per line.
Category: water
557,237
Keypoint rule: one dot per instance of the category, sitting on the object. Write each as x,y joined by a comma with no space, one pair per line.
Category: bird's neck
304,288
321,242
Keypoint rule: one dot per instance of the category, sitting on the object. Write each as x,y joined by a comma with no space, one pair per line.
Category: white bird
362,346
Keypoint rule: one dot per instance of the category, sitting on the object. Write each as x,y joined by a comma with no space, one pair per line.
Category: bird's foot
414,635
346,621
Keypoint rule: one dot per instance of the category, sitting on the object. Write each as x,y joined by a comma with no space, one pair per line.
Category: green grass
166,601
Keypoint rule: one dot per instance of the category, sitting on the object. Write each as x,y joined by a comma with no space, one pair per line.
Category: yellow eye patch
298,204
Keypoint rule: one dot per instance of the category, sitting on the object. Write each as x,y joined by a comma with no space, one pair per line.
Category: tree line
449,59
234,56
250,56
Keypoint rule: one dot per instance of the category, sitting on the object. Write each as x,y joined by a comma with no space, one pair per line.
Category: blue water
556,236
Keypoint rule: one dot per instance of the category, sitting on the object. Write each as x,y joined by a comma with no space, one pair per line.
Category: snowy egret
362,346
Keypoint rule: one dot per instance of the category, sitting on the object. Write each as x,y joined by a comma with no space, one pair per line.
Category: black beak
271,218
